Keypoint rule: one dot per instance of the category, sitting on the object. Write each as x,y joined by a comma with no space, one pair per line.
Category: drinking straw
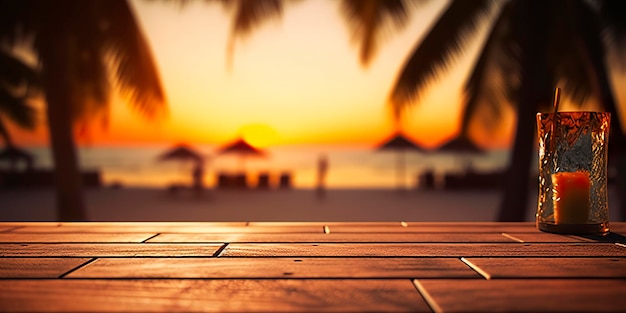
553,126
557,97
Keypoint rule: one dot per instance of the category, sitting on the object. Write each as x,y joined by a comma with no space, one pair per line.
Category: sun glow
259,135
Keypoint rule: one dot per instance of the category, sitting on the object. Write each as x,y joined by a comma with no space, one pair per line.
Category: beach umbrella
242,149
13,154
463,146
460,144
400,144
183,153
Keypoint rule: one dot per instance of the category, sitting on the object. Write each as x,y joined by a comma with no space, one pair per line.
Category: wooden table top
312,267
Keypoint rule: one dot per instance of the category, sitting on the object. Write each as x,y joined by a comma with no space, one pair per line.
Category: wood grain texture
619,227
125,224
423,250
552,267
107,250
333,237
329,223
486,227
82,295
6,228
527,295
295,267
37,267
275,268
538,237
208,229
80,237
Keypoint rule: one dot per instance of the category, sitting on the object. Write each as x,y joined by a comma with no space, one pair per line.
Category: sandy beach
150,204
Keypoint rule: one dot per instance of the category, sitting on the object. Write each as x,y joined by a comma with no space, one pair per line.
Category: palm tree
16,84
83,48
532,47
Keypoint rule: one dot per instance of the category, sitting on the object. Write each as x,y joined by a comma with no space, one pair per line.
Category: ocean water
348,167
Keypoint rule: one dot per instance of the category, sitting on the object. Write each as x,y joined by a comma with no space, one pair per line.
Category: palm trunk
56,70
531,16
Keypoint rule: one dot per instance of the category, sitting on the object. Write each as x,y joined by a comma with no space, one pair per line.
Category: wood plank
6,228
332,237
552,267
527,295
112,228
618,227
134,224
22,224
275,268
107,250
37,267
422,250
193,295
69,237
538,237
611,237
486,227
329,223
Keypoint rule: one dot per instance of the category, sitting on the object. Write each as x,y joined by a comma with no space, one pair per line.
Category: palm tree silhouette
533,46
17,81
84,48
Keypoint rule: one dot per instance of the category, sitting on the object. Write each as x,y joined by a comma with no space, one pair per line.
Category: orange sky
296,80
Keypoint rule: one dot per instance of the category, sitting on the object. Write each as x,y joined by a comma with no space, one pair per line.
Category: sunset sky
295,80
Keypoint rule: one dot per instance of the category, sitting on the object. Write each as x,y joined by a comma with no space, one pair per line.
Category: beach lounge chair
231,181
284,181
426,180
263,181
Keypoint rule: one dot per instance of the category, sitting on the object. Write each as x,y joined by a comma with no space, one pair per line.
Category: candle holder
573,154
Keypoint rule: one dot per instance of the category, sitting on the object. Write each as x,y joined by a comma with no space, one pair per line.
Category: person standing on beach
322,169
198,175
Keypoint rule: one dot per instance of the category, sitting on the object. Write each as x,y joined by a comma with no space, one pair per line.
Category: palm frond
248,15
134,66
493,76
371,20
568,55
17,110
613,18
15,13
445,40
14,76
16,73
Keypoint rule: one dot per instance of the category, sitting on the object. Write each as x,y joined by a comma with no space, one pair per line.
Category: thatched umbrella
460,144
400,144
184,153
242,149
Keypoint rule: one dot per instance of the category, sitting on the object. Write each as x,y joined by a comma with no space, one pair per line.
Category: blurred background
295,110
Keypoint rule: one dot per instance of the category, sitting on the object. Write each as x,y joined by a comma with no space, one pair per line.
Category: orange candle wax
571,197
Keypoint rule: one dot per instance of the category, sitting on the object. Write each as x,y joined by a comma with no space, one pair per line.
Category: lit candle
571,197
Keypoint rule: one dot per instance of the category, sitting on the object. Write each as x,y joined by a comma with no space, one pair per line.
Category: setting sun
259,135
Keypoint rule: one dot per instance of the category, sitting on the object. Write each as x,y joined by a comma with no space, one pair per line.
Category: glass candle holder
573,154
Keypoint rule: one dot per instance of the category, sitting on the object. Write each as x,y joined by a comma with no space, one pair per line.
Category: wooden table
423,267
